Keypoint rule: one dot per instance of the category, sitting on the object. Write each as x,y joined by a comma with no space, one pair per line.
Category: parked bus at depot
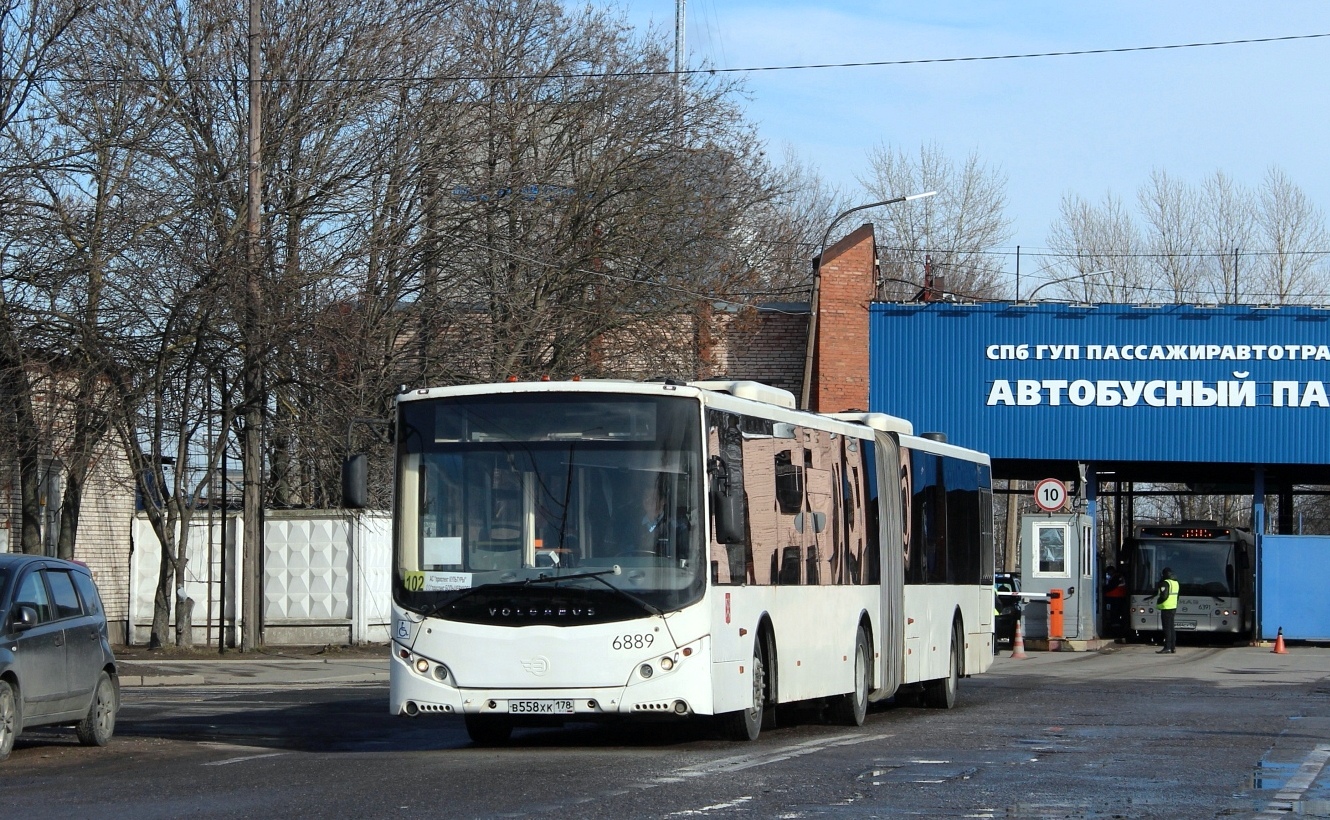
1215,568
568,551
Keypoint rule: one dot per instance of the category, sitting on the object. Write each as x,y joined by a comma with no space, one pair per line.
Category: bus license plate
1185,624
540,707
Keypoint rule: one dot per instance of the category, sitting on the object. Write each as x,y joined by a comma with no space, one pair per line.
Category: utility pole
1018,274
680,56
1235,275
252,376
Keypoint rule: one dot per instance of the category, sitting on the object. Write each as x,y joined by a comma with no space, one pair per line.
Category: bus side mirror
355,481
727,503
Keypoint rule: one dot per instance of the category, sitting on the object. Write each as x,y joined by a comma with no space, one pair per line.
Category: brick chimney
847,283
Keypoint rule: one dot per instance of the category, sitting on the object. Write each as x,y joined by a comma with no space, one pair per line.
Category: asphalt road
1209,732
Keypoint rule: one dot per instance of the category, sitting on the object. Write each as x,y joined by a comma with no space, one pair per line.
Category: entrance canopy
1171,393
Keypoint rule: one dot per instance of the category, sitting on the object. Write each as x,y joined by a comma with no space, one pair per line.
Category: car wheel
96,729
9,722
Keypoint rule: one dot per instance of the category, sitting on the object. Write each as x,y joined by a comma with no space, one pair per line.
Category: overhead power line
1021,56
666,72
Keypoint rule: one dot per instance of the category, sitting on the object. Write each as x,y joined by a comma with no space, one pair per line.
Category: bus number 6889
641,640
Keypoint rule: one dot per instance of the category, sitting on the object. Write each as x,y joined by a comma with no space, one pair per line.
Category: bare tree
786,232
953,231
30,35
1228,221
1293,235
1098,252
563,188
1172,241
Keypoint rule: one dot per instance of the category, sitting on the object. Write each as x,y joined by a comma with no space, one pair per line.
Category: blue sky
1054,125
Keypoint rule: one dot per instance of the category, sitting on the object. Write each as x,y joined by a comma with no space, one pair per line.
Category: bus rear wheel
852,707
488,730
941,693
746,724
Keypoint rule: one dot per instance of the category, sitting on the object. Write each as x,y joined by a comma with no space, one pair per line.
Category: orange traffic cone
1018,643
1279,643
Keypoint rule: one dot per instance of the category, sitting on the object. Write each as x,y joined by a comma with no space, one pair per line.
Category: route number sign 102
1050,495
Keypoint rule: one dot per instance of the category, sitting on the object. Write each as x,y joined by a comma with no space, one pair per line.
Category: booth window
1051,550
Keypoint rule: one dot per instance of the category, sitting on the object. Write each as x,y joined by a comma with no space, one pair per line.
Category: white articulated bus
568,551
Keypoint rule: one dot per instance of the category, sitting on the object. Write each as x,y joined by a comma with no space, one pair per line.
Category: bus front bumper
424,689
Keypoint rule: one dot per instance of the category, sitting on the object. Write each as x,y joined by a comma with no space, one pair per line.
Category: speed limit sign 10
1050,495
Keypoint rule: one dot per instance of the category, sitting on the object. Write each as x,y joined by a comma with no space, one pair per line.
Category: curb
161,680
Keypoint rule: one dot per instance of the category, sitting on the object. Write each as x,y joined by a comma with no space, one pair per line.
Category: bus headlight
422,665
645,671
667,663
441,673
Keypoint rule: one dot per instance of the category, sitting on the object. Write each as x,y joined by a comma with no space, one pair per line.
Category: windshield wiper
434,609
595,576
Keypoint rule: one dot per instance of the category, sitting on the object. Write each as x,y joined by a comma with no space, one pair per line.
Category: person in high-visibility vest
1166,601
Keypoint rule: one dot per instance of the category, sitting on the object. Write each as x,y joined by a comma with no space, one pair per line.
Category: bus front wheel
746,724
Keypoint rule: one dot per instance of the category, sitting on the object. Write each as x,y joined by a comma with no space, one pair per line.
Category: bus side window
928,520
869,542
789,484
965,532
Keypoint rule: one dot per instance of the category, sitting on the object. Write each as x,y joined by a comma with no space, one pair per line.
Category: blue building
1228,398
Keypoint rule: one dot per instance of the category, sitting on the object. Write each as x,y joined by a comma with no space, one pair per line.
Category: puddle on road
1311,808
1041,745
924,772
1273,775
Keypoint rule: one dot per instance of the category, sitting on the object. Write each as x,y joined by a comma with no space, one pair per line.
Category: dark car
56,666
1008,607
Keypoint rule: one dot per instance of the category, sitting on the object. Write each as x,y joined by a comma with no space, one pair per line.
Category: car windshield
520,490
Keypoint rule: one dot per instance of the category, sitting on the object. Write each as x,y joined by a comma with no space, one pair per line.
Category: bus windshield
594,500
1201,567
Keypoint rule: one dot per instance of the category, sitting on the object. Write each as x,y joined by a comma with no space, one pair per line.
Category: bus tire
488,730
851,708
746,724
941,693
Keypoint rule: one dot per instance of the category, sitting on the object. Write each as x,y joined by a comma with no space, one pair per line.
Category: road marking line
715,807
1298,783
244,759
741,762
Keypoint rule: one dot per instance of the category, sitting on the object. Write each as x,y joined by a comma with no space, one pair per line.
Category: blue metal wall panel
933,364
1294,571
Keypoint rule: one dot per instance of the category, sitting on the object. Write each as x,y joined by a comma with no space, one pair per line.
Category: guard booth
1057,560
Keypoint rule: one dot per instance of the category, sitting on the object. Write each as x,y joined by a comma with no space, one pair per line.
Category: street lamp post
817,279
1030,298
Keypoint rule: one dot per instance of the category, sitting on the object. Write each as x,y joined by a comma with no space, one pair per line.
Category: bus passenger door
887,468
